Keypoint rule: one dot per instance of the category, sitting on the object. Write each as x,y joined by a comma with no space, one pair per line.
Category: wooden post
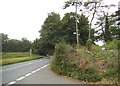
30,52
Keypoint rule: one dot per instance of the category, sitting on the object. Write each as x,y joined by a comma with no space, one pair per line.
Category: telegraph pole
118,41
77,34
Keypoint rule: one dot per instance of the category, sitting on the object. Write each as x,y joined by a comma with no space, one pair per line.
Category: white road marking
28,74
37,69
34,71
13,82
44,66
20,78
19,66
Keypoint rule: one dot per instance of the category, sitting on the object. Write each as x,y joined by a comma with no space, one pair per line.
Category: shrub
68,61
88,74
112,45
91,66
89,44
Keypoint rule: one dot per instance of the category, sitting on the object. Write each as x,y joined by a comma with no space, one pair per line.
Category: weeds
97,65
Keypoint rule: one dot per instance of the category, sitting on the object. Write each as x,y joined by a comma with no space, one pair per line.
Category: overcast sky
23,18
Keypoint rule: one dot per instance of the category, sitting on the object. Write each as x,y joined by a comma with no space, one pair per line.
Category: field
16,57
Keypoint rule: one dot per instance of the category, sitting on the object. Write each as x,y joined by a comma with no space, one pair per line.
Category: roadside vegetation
88,62
15,51
96,65
16,57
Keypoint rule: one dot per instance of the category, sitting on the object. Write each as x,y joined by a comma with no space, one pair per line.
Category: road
32,72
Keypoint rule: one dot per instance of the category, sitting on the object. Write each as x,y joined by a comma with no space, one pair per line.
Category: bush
89,44
91,66
60,57
69,62
107,65
89,74
95,49
112,45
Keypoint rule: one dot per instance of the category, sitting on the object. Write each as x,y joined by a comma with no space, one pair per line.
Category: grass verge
7,61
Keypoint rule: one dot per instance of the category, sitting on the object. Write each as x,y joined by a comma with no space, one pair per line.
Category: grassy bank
94,66
14,54
16,57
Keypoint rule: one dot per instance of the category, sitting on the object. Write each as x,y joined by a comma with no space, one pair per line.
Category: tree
5,39
116,15
107,26
25,45
35,46
91,7
11,45
50,33
69,28
14,45
55,30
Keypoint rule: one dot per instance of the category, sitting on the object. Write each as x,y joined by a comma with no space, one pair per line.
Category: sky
23,18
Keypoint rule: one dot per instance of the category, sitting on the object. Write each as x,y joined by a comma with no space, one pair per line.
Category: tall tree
5,39
106,26
50,32
55,30
69,28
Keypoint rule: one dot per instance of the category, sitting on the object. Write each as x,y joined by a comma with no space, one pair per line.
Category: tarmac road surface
32,72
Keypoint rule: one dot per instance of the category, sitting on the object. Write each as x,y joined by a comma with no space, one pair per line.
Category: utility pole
118,41
76,3
118,19
119,14
77,35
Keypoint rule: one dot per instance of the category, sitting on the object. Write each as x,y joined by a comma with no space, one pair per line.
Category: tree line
14,45
56,29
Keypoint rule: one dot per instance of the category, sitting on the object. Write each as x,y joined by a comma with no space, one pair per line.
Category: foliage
49,34
35,46
4,37
69,28
112,45
68,61
95,65
89,44
109,31
96,9
56,29
14,45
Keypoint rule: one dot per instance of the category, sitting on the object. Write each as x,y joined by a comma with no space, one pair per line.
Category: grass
15,54
12,58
